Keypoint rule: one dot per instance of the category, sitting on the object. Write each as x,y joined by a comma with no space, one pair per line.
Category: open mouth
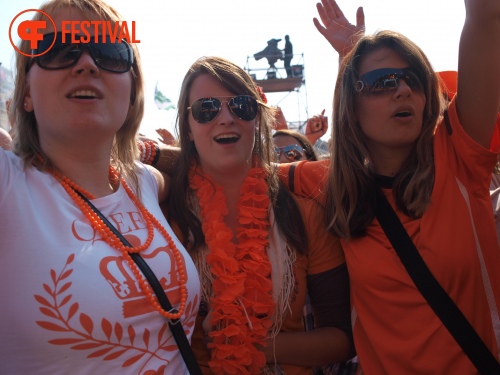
83,94
227,138
403,114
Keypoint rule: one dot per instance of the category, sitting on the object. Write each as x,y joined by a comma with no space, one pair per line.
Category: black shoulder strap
175,325
444,307
291,177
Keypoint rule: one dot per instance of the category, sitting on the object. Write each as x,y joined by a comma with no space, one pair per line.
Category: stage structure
273,80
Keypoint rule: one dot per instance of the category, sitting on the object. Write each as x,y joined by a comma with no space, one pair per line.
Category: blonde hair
350,201
26,138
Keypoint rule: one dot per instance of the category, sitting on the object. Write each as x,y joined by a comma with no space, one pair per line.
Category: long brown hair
350,200
179,210
26,138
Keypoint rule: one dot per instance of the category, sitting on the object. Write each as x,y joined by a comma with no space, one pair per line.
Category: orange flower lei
242,303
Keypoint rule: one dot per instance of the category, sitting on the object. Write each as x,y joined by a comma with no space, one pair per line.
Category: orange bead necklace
113,241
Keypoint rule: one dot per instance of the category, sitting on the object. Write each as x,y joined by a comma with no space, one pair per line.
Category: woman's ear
28,102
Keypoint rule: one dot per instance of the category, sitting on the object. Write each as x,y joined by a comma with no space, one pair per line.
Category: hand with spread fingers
335,27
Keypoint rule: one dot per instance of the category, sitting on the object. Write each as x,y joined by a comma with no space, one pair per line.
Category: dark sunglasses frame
380,81
103,54
205,110
285,150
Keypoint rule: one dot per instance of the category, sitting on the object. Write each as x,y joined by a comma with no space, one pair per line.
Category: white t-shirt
69,302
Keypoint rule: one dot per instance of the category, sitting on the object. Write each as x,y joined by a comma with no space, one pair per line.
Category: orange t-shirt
306,178
324,253
395,330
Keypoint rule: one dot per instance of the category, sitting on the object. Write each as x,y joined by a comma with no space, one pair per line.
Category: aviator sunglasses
205,110
291,152
382,81
116,57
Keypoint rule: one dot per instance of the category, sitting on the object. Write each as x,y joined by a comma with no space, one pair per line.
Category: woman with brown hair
394,141
257,248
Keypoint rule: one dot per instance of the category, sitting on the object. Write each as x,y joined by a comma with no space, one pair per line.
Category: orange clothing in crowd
395,330
324,253
306,178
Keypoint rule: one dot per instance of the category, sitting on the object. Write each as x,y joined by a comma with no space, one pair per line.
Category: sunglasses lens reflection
291,152
244,107
205,110
381,81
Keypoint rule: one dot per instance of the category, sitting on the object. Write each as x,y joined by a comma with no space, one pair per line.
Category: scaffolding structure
275,79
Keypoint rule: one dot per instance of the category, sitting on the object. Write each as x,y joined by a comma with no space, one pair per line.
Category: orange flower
262,95
242,303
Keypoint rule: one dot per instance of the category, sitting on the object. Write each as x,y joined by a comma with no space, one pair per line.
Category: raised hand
166,137
316,127
335,27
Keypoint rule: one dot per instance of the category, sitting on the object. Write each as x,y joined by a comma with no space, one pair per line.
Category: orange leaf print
106,328
51,326
48,312
87,323
131,334
115,355
53,276
64,288
171,348
103,345
72,310
100,353
160,371
87,346
145,337
65,300
43,301
47,288
66,274
118,331
132,360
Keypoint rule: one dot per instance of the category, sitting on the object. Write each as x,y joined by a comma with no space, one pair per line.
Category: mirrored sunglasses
116,57
291,152
205,110
382,81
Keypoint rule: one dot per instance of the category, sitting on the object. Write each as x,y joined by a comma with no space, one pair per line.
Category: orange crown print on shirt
126,287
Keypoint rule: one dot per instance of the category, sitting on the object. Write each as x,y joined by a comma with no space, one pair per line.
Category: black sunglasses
205,110
381,81
116,57
291,152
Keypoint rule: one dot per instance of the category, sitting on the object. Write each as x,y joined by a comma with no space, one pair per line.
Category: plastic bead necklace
112,240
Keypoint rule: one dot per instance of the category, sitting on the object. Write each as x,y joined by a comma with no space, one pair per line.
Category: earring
25,104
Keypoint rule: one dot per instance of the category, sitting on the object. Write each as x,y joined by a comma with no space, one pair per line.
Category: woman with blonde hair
78,212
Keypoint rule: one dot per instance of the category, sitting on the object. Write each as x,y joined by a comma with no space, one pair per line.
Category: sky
174,34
